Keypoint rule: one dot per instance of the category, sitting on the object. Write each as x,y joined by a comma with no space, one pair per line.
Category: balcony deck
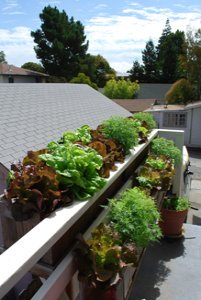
16,261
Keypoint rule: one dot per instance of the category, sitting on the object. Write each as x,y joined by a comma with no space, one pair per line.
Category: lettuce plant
101,258
34,187
76,168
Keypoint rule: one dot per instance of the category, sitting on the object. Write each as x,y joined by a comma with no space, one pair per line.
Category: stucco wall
194,134
21,79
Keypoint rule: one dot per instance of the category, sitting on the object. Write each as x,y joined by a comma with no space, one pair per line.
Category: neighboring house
187,118
135,105
32,115
12,74
153,91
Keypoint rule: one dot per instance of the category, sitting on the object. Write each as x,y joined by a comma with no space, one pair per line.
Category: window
174,119
10,79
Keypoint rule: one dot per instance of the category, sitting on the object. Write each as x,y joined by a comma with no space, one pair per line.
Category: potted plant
173,214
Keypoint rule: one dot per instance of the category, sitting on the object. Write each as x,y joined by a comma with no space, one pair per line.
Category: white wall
158,115
194,133
20,79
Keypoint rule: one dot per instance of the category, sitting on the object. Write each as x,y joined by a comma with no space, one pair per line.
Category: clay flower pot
172,221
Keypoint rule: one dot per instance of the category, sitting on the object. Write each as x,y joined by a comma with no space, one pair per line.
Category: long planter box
80,221
119,291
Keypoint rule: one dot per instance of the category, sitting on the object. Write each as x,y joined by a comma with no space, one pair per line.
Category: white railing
26,252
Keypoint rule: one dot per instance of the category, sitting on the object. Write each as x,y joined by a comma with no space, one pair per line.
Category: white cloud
14,13
121,38
13,41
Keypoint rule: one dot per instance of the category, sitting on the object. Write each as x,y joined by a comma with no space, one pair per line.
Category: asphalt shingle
31,115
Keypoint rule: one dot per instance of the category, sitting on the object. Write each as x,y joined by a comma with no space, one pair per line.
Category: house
153,91
135,105
32,115
12,74
182,117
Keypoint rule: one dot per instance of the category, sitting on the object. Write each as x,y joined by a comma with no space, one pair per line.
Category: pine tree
60,43
149,59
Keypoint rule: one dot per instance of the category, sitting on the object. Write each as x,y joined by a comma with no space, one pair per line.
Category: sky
117,30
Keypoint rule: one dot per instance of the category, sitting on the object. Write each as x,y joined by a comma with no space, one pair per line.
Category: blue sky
117,30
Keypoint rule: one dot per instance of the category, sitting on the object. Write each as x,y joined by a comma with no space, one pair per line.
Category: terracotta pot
114,292
172,221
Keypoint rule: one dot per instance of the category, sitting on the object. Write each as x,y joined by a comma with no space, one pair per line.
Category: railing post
178,137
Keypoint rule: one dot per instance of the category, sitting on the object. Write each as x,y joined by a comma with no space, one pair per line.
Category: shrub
121,89
82,78
180,92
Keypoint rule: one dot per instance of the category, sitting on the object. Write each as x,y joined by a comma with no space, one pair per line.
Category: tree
121,89
2,58
149,58
169,49
33,66
82,78
60,43
181,92
192,61
136,72
97,68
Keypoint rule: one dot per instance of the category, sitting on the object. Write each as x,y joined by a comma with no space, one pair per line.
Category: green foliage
148,118
82,78
156,163
134,216
60,43
192,61
76,167
121,89
157,172
81,134
56,79
136,73
122,130
2,58
33,66
149,58
34,187
181,92
97,68
163,63
162,146
101,258
176,203
169,49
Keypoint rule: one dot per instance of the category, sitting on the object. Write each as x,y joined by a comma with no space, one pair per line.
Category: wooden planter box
119,291
13,230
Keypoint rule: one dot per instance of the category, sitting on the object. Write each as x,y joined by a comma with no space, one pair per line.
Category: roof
135,105
33,114
6,69
153,90
193,105
168,107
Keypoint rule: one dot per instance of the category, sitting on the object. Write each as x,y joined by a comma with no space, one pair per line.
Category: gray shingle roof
31,115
